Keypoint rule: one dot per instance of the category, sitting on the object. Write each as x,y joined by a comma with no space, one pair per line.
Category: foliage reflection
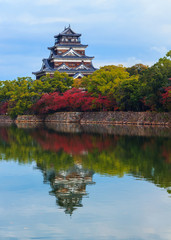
68,161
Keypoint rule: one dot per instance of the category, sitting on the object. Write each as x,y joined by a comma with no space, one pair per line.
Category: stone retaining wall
115,118
29,118
68,117
136,118
5,119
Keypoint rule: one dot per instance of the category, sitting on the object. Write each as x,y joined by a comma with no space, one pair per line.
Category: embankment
114,118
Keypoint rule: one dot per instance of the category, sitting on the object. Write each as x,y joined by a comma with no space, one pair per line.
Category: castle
67,55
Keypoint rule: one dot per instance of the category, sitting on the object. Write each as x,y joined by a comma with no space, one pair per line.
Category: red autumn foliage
167,155
72,144
166,98
3,108
73,100
4,135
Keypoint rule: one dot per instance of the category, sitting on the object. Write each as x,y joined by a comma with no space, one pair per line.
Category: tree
6,88
166,99
137,69
3,108
154,80
22,97
128,96
104,80
60,82
72,100
115,82
22,93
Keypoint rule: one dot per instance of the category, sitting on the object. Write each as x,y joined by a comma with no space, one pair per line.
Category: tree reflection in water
69,160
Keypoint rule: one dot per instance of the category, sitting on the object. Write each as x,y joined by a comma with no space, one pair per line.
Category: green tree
137,69
154,80
116,82
127,94
22,97
6,88
60,82
24,92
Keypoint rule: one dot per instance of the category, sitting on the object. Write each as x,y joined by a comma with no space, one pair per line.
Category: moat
85,182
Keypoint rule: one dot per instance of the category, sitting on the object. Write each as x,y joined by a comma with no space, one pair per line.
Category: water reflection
69,186
69,160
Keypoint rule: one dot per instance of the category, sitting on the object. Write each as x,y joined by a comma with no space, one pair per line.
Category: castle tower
67,55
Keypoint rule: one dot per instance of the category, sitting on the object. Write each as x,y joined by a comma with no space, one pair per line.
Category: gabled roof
71,52
77,75
68,32
45,67
63,66
82,66
68,46
63,58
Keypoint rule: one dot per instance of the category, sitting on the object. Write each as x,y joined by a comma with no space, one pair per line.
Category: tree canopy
23,92
137,88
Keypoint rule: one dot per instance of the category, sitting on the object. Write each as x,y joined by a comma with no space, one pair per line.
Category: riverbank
114,118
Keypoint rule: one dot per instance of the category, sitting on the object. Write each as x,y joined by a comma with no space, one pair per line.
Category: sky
117,31
28,209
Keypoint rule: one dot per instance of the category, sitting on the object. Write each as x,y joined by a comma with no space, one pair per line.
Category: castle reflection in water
69,186
69,155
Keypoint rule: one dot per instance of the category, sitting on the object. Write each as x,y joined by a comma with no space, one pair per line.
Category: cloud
128,62
166,28
32,20
18,65
162,50
142,25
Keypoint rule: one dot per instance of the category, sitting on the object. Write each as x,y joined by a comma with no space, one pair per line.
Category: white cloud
142,23
125,62
18,65
162,50
33,20
166,28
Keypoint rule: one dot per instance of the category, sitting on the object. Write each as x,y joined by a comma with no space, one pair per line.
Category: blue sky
117,31
115,208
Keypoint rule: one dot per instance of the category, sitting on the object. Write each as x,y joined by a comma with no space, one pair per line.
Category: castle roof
71,57
68,32
68,46
46,68
67,55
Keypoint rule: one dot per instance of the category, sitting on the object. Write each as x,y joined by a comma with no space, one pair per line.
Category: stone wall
68,117
115,118
5,119
29,118
137,118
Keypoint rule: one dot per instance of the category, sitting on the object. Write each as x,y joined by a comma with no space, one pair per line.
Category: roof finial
69,25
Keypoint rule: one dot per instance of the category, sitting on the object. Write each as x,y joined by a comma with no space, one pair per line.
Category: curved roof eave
67,35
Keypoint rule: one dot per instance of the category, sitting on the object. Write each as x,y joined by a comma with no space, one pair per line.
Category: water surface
85,182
